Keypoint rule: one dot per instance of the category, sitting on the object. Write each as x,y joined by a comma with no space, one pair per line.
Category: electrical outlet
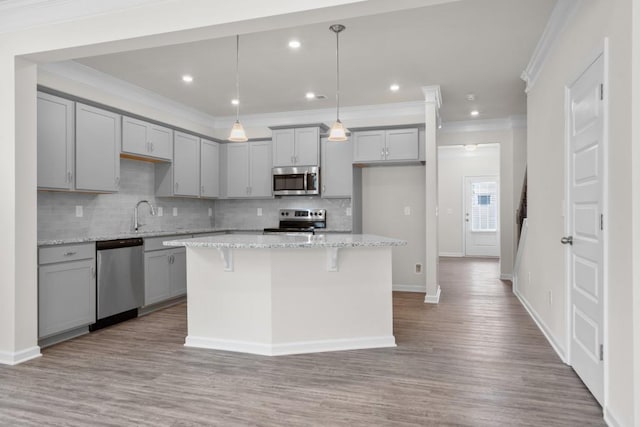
175,211
449,211
550,297
418,268
79,213
160,211
348,211
407,210
210,212
259,212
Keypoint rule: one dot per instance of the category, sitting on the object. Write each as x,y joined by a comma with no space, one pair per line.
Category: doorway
481,216
585,237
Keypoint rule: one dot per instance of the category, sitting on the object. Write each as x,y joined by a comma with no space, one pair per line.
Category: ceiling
470,46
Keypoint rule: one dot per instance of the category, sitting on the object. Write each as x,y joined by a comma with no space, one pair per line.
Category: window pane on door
484,209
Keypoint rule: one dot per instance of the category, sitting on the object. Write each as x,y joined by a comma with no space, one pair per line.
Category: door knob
567,240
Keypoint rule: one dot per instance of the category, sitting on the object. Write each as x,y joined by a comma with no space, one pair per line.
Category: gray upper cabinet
260,169
337,169
182,177
140,138
296,146
55,142
237,169
395,145
248,169
97,161
186,165
209,169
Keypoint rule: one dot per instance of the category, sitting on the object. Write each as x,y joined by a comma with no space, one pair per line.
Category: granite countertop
153,233
273,241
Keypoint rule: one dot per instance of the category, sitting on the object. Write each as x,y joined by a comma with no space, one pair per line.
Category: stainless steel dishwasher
120,282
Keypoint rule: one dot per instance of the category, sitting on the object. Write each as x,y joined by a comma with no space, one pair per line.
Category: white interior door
481,219
585,224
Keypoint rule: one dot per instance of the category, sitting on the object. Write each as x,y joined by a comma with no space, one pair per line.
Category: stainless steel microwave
296,181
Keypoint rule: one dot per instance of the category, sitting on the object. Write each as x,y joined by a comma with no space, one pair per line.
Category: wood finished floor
475,359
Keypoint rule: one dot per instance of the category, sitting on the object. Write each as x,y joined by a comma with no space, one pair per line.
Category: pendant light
338,131
237,131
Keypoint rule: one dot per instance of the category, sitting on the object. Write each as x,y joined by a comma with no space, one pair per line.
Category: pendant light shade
338,131
237,131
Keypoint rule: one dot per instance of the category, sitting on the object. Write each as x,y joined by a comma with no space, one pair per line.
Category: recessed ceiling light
471,97
294,44
394,87
235,101
310,95
187,78
475,113
470,147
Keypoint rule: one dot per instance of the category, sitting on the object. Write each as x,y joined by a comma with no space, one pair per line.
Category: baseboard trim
542,326
506,277
299,347
433,299
8,358
409,288
609,419
451,254
161,305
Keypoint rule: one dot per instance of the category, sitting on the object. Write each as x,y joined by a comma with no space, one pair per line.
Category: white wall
386,192
454,163
571,54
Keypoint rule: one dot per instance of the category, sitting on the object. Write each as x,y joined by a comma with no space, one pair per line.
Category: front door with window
481,219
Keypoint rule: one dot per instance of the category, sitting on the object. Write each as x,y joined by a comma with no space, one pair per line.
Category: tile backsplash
107,214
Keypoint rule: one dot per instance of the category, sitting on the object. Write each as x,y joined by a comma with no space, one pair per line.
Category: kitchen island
280,294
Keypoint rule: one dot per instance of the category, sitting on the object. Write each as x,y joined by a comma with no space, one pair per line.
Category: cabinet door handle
382,154
117,182
69,253
324,188
93,272
69,176
176,185
386,152
151,147
202,189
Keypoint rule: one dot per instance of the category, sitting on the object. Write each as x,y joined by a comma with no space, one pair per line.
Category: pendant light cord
237,77
337,76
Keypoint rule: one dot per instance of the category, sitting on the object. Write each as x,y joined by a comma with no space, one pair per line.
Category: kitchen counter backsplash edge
146,234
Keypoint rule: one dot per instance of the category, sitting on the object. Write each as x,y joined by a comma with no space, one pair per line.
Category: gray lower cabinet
165,270
66,288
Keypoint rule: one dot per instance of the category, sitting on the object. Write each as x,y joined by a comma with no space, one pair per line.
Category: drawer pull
70,253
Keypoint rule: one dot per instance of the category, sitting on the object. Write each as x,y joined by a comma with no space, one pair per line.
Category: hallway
476,359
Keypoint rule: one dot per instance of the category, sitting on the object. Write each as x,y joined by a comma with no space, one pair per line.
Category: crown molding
18,15
507,123
325,115
86,75
433,95
561,14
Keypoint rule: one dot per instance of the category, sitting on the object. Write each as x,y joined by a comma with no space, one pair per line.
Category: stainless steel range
300,221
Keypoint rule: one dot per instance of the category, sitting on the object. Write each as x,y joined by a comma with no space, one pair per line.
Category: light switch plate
210,212
79,213
160,211
259,212
175,211
407,210
348,211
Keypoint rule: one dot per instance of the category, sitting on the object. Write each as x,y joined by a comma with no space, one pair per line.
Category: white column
18,216
433,101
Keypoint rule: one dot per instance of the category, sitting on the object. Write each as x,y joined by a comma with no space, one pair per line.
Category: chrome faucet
137,225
